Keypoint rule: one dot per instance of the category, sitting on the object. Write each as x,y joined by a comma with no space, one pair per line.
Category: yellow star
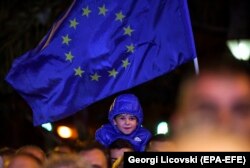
113,73
119,16
69,56
125,63
130,48
86,11
95,77
66,39
78,71
103,10
128,30
73,23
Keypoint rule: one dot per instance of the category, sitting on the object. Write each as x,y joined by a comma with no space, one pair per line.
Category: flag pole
196,66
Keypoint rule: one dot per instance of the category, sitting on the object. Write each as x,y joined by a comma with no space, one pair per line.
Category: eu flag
98,48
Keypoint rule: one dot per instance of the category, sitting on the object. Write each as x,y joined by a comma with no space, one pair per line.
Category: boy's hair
125,114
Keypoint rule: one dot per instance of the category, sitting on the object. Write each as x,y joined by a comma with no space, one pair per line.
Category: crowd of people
212,114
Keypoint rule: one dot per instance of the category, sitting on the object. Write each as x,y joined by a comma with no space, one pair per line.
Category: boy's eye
121,118
132,118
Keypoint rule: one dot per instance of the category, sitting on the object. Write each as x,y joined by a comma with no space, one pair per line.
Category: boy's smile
126,123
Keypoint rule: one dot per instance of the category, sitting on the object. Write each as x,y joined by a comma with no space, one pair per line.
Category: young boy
125,117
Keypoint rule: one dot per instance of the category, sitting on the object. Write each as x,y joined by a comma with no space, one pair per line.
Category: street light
240,49
239,29
162,128
67,132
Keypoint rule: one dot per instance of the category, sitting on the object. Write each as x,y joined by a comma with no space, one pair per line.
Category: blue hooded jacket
108,133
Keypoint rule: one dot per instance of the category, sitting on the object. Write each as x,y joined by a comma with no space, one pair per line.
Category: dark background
24,23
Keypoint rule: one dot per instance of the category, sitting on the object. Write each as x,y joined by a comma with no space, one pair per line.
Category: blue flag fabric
98,48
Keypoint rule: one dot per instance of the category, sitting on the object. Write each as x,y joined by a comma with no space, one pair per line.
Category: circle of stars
128,31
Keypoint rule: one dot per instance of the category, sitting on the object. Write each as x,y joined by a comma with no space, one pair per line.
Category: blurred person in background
117,149
160,143
25,160
95,154
215,102
119,163
34,150
66,160
62,149
6,154
210,139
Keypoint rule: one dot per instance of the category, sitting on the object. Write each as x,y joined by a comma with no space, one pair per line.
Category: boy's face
126,123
